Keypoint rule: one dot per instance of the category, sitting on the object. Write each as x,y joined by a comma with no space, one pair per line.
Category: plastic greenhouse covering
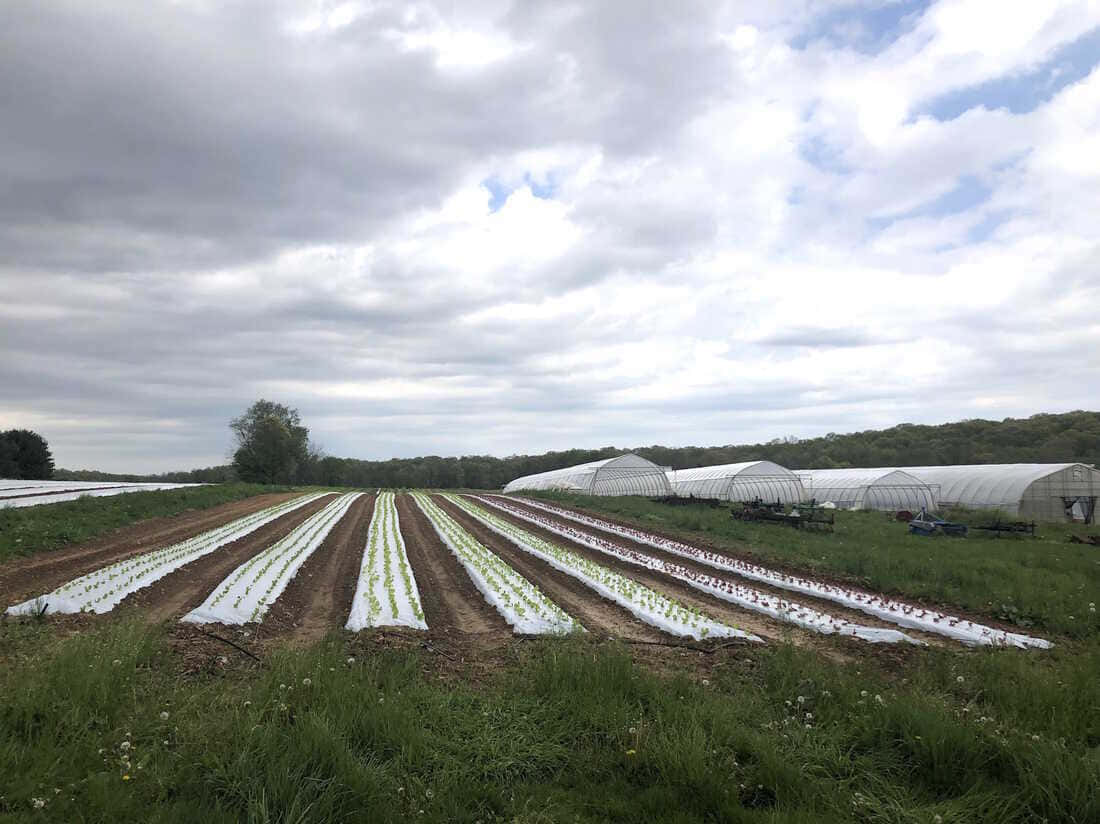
739,482
627,474
882,488
1012,487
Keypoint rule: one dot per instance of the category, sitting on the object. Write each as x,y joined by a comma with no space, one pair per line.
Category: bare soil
319,597
453,606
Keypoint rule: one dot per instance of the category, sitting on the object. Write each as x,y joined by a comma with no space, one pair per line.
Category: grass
1043,583
101,726
27,530
112,724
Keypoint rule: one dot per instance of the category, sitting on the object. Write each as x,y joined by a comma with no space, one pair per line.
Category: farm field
481,657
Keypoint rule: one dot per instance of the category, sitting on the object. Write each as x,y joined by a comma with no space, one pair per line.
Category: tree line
272,446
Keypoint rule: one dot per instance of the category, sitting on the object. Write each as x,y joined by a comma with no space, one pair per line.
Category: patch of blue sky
1022,92
500,191
984,228
868,26
824,156
968,193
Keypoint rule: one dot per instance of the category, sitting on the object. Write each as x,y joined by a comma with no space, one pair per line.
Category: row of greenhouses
1049,492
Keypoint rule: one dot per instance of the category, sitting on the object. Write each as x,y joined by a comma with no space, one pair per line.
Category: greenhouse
890,490
1044,492
747,481
627,474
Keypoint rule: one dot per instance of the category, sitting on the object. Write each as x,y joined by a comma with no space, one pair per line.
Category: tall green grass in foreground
99,726
1043,583
31,529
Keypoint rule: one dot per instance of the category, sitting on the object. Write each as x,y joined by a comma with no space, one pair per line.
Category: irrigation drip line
232,644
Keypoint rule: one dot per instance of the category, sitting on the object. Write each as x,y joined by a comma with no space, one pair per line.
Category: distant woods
1073,436
25,455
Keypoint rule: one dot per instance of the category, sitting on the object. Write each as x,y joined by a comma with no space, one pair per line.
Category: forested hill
1073,436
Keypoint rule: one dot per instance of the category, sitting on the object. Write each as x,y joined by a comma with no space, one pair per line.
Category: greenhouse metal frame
627,474
746,481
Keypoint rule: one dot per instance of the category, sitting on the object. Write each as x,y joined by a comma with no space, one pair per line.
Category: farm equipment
925,524
687,500
802,516
1009,527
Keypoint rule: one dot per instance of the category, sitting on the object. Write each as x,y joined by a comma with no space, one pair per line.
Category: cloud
513,227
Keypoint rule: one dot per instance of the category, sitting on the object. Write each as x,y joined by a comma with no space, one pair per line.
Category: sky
497,227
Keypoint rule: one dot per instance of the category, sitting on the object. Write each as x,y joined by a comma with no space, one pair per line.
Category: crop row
648,605
521,603
247,592
745,597
889,609
102,590
387,594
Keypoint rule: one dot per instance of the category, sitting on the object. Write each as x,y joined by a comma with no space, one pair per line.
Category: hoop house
884,489
739,482
627,474
1046,492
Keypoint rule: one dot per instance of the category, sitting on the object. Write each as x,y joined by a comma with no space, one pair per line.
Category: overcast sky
492,227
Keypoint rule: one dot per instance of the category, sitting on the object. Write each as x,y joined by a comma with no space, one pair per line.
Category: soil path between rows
24,578
597,614
319,597
819,604
452,604
180,591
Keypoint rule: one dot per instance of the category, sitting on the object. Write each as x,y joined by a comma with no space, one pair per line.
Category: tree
25,455
9,467
272,445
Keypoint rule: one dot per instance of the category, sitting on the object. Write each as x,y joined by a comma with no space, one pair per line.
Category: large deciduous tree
272,444
25,455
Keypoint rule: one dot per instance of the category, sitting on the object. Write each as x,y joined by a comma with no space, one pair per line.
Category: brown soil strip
818,604
597,614
319,597
181,591
28,577
452,605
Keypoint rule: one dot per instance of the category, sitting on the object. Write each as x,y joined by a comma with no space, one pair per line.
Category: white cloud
706,234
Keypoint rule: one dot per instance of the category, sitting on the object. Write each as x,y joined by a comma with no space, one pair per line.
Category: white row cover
60,491
627,474
884,489
739,482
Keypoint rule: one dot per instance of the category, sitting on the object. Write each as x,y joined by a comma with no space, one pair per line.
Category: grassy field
124,721
103,726
1044,583
27,530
